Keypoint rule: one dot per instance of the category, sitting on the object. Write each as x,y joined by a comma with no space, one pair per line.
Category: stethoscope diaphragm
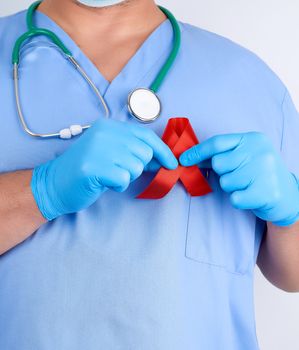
144,105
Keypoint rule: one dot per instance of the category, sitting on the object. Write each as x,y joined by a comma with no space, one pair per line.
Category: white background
270,28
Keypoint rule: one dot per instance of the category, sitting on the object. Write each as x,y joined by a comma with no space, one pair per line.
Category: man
85,264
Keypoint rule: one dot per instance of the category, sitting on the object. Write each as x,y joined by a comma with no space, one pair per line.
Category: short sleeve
290,135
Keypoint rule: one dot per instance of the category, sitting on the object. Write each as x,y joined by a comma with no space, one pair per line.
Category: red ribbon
179,136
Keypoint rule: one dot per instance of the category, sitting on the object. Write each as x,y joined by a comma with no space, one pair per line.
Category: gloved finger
249,198
132,164
152,166
161,151
236,180
209,148
229,161
115,178
141,150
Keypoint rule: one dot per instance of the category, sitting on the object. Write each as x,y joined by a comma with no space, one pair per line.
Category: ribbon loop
179,136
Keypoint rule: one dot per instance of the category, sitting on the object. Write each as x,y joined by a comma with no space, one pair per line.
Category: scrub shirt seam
222,267
154,64
187,228
207,263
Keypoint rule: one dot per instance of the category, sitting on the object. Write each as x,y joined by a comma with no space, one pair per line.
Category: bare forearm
19,214
279,256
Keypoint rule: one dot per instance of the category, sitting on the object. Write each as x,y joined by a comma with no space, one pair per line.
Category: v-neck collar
146,59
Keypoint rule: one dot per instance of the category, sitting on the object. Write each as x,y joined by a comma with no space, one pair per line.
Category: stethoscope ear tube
66,133
36,32
73,130
143,103
139,100
174,52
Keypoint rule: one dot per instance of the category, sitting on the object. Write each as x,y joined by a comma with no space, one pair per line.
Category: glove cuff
290,220
39,188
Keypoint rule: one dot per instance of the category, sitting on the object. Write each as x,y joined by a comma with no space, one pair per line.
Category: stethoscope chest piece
144,105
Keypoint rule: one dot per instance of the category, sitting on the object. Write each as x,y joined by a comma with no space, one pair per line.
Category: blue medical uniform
130,274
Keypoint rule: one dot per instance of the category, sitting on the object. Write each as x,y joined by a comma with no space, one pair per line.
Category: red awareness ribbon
179,136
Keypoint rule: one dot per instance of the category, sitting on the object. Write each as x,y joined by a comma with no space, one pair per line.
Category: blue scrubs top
127,274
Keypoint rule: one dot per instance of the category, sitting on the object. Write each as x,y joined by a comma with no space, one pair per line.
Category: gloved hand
109,155
252,172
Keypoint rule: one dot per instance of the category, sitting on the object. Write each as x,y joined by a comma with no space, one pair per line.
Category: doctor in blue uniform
85,264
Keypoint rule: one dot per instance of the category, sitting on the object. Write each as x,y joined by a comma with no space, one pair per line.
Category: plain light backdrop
270,28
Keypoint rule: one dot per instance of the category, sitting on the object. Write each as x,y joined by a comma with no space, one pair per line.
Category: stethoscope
143,103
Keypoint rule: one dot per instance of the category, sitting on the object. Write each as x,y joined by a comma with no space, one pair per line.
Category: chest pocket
218,234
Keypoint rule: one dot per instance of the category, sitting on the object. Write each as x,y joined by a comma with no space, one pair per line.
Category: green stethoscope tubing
174,52
34,31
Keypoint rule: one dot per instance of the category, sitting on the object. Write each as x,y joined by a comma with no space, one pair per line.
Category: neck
130,18
109,36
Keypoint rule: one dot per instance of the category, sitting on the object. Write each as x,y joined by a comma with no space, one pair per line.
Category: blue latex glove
252,172
109,155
